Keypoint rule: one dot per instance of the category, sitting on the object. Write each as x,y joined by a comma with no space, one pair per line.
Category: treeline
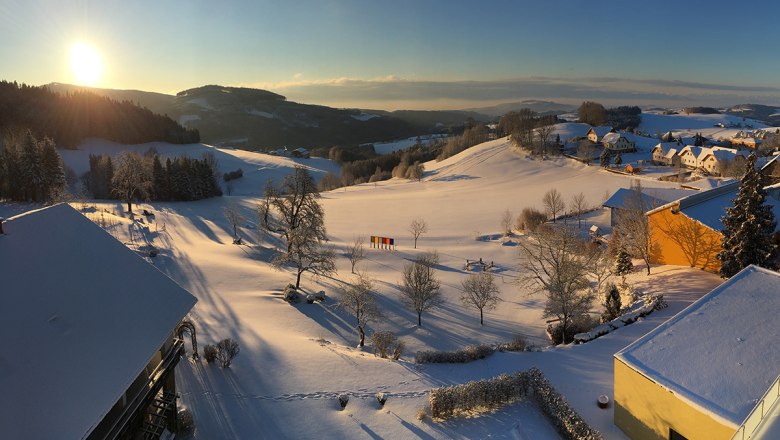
530,131
69,119
31,170
180,179
619,118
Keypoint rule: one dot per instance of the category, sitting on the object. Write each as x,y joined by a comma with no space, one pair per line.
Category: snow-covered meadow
296,359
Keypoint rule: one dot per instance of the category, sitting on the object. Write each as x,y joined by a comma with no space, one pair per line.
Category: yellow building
700,374
686,232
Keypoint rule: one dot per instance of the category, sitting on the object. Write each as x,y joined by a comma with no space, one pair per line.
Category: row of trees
133,176
31,170
619,118
530,131
71,118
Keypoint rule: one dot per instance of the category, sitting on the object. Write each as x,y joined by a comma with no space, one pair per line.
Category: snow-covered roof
666,146
82,315
708,183
611,138
718,352
709,207
670,154
695,151
601,130
651,197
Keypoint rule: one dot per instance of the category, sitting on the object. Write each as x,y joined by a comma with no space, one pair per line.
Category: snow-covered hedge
569,424
291,294
478,395
483,395
467,354
638,309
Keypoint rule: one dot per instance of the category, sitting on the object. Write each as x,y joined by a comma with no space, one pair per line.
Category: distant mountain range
259,119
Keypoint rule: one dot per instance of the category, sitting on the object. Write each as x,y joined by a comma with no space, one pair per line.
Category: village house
595,134
618,143
709,372
92,333
771,171
751,143
713,160
665,153
625,199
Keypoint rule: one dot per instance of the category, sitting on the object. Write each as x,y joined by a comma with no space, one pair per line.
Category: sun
85,64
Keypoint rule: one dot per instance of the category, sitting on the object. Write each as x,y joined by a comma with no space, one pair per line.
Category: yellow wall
646,411
672,233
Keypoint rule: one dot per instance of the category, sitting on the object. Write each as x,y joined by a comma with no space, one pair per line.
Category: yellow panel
679,240
645,411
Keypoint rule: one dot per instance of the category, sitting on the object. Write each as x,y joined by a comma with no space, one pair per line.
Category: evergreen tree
612,304
748,226
605,157
623,264
53,170
159,189
31,168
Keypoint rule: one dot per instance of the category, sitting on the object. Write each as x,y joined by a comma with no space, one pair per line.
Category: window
674,435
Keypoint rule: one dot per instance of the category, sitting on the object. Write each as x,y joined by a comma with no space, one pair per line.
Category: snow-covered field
389,147
296,359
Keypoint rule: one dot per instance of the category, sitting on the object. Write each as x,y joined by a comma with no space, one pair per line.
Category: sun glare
85,64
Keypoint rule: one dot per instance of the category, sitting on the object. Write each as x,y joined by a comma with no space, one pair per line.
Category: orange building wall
679,240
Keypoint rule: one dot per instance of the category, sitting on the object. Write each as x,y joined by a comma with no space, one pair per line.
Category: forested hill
70,118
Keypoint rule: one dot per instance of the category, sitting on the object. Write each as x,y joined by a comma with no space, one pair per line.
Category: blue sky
410,54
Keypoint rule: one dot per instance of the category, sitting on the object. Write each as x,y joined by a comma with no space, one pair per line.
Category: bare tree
598,264
132,178
480,291
307,252
359,299
578,207
552,262
632,229
420,288
302,224
417,228
356,252
543,132
234,217
553,202
506,222
586,151
264,209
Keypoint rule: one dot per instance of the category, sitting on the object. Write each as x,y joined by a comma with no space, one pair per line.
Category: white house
90,345
617,143
665,153
595,134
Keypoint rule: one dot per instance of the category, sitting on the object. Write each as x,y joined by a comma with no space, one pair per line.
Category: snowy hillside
257,167
296,359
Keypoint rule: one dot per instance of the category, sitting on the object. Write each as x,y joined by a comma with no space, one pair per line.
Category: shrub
291,294
227,350
398,349
384,343
320,296
612,304
477,395
467,354
210,353
310,298
232,175
186,423
530,219
381,398
518,343
421,414
580,324
343,400
558,411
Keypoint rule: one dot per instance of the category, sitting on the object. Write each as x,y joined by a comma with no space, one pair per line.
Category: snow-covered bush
421,414
310,298
227,350
381,398
467,354
518,343
343,400
209,353
291,294
385,343
530,219
398,349
320,296
186,423
581,324
478,395
570,425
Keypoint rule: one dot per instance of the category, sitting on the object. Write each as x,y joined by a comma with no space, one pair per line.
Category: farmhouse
617,143
665,153
90,346
595,134
713,160
749,142
700,374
